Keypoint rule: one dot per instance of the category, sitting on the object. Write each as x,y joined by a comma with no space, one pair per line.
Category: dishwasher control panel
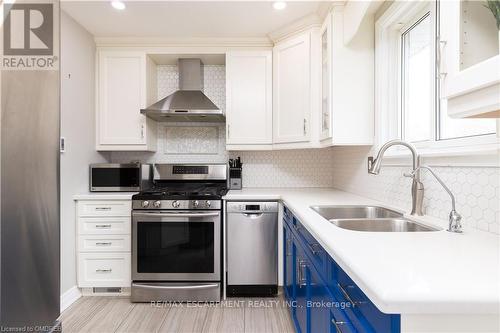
255,207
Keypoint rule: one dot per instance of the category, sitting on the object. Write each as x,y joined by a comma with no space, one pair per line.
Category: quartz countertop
407,273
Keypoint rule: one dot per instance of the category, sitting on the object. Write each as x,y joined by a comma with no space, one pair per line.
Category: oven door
176,246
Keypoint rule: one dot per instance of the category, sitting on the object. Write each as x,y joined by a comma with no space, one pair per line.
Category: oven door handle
176,214
200,286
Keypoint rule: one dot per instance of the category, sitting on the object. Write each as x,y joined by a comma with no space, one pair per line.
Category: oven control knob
157,204
208,203
196,203
145,204
176,204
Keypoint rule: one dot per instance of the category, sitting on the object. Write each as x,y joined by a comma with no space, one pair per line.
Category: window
406,57
417,75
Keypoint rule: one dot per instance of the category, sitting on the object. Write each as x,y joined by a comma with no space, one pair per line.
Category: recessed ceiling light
118,5
279,5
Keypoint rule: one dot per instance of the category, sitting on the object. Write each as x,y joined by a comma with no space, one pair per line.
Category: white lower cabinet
104,270
103,243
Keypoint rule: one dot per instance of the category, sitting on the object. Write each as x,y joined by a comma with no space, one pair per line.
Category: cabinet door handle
439,59
108,270
103,226
302,264
142,131
288,243
103,243
337,325
228,131
346,295
305,125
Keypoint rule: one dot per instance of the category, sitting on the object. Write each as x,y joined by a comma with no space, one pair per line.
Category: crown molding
212,42
302,24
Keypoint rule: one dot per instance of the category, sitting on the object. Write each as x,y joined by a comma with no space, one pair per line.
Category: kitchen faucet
417,188
454,218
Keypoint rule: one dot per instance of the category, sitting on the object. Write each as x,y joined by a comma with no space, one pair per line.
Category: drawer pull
312,248
346,295
103,243
109,270
302,264
103,226
337,325
103,208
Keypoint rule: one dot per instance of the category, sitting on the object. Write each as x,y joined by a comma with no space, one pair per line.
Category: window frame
388,122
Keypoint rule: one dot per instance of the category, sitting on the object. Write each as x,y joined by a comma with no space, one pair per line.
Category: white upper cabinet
347,82
249,114
469,66
292,89
326,80
125,80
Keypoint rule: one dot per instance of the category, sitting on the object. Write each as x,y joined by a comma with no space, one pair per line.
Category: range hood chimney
189,103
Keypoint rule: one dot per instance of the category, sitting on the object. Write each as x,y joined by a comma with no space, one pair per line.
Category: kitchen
251,166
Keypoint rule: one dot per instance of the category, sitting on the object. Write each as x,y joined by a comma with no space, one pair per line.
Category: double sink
369,218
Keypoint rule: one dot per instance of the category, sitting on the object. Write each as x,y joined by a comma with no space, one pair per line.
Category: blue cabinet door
302,278
288,262
319,303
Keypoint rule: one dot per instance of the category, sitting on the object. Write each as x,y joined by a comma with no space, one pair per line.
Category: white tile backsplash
206,143
477,189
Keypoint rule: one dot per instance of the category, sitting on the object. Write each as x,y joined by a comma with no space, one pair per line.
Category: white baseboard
69,297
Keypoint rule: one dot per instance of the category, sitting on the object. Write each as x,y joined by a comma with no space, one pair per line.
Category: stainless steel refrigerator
29,185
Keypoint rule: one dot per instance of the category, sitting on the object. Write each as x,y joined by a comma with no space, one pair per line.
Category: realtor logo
28,30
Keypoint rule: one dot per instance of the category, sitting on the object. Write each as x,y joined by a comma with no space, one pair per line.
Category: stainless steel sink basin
369,218
381,225
355,212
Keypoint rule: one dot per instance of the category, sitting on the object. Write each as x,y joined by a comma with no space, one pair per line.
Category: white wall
77,127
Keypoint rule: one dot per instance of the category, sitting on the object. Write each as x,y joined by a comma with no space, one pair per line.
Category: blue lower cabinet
323,297
302,286
319,304
288,262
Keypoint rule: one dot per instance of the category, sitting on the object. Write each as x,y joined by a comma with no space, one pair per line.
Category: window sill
476,155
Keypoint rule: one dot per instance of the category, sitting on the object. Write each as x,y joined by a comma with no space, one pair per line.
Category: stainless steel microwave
114,177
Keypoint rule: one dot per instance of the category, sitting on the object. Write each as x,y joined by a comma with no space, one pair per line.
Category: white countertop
105,196
407,273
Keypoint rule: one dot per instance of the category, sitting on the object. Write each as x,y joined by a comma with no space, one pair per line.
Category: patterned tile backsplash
477,189
206,143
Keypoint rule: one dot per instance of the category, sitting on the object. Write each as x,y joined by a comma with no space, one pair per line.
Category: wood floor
118,314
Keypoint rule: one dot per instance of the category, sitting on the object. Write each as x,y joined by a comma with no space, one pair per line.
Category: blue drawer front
365,316
312,248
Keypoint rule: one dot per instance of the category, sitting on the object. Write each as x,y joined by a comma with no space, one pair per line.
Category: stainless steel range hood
189,103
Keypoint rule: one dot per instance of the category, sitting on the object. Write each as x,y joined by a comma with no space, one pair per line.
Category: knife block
235,178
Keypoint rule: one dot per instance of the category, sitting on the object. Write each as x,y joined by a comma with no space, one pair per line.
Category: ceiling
186,19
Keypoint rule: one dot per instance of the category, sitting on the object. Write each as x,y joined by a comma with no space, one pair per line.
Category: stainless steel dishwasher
252,248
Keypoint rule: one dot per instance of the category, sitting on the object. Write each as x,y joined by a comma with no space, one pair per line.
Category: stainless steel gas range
176,234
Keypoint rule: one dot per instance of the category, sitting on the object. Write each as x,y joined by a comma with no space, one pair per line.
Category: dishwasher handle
253,215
